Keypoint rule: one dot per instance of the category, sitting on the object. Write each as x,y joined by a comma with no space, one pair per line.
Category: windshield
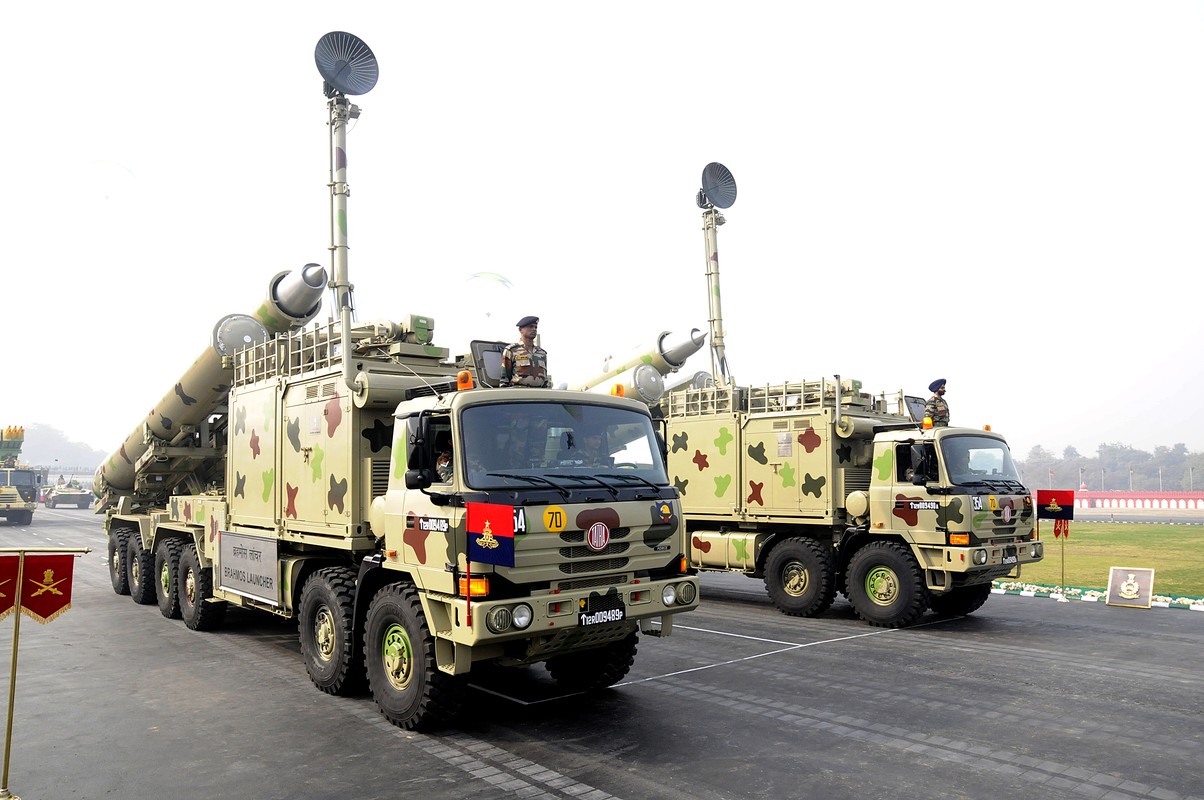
17,477
978,459
567,443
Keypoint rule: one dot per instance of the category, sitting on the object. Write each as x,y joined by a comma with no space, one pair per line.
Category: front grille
590,583
614,548
578,537
601,565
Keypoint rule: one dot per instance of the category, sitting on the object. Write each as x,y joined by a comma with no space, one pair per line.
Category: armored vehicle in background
416,521
20,484
67,493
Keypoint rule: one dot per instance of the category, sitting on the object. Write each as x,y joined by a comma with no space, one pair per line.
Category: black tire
885,585
594,669
167,563
961,600
119,540
326,621
399,651
140,571
800,576
195,585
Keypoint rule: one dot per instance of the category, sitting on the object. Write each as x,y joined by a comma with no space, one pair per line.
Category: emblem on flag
491,534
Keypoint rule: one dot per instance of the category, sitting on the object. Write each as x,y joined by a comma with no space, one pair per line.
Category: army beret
938,383
525,321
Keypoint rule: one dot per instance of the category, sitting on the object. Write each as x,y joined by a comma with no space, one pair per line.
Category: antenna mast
347,67
718,191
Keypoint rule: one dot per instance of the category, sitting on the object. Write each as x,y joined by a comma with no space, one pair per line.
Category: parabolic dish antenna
718,186
346,64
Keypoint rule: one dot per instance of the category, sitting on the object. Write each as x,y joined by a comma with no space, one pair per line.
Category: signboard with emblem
1130,586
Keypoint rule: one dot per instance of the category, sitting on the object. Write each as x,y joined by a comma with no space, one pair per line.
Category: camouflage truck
300,471
20,484
818,487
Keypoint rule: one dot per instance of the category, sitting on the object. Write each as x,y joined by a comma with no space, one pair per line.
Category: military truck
20,483
293,470
818,486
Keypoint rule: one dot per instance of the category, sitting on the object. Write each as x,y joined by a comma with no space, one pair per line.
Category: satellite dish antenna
236,331
346,64
718,187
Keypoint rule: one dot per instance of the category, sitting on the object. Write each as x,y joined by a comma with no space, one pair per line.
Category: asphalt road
1028,697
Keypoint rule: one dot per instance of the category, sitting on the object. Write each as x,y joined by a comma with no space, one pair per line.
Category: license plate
602,616
1009,555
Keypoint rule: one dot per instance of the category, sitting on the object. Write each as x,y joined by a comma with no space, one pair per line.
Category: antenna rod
711,219
341,110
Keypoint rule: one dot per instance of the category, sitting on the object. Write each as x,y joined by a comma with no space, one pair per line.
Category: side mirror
418,479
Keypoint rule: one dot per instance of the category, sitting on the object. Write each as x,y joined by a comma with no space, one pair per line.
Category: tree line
1115,467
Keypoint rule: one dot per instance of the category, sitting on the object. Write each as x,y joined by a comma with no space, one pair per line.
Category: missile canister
293,299
665,355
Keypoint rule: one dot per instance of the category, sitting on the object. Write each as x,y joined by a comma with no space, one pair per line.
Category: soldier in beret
525,363
936,409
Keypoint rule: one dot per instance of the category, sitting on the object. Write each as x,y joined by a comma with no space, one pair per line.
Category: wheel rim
882,585
116,563
165,578
795,579
135,572
190,586
398,656
324,633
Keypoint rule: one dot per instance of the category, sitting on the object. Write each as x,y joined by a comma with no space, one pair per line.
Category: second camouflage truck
819,487
300,471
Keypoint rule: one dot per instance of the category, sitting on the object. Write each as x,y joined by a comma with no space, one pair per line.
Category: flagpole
12,679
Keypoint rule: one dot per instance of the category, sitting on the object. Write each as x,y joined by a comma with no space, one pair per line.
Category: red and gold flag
46,586
8,584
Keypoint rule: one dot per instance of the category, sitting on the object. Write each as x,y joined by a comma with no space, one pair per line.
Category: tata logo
597,537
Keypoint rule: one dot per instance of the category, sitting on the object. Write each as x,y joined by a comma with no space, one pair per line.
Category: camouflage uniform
523,366
937,410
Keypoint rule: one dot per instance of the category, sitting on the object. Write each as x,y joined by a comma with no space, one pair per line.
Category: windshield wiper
637,478
614,492
536,479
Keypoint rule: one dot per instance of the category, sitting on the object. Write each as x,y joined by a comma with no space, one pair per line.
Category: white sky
1008,195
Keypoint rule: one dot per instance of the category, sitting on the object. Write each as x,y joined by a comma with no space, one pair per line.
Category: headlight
980,557
687,593
1034,550
498,619
669,595
522,615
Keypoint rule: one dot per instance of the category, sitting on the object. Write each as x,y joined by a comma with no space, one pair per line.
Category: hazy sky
1006,195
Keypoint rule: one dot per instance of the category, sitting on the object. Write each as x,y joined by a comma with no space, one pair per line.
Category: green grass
1174,552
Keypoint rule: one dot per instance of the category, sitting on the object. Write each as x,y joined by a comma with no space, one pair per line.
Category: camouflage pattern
937,410
756,466
525,366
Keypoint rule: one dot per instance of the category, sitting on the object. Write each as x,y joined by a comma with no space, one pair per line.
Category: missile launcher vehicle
417,520
20,484
819,487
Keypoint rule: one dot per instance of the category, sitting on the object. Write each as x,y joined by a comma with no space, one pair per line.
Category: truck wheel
326,620
409,689
167,562
962,600
118,542
195,584
800,577
594,669
885,585
140,567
